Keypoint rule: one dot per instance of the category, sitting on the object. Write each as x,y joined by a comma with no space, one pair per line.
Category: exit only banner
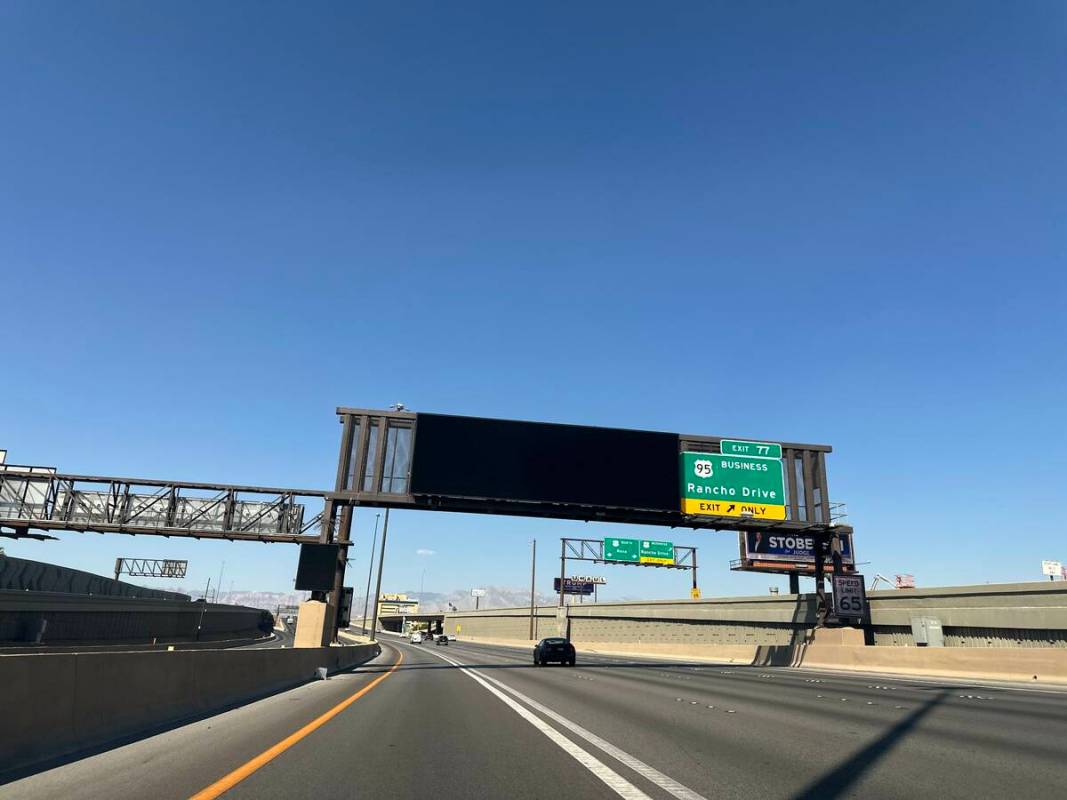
717,485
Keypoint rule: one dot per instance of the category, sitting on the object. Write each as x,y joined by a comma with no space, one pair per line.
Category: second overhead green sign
638,551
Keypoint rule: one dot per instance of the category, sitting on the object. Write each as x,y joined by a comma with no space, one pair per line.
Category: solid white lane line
665,782
612,779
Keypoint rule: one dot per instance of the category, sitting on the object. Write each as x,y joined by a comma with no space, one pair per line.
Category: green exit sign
622,550
734,447
639,551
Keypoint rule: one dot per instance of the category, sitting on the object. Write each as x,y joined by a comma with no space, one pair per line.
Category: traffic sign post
716,485
850,597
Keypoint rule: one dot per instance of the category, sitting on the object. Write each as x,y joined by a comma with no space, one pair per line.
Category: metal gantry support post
794,583
835,552
696,588
344,536
562,568
820,589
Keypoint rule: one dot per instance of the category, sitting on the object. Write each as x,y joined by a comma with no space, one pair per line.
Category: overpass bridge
394,623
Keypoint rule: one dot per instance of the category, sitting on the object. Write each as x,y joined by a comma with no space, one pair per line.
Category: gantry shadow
839,780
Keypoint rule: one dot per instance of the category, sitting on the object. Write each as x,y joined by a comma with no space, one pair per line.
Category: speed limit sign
850,598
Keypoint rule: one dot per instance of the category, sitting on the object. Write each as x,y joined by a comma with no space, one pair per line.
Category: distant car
416,638
554,648
442,639
451,637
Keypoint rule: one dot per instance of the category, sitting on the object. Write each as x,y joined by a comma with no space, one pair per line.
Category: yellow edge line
227,782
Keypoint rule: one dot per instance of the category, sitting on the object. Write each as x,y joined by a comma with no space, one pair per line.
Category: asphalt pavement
477,721
278,639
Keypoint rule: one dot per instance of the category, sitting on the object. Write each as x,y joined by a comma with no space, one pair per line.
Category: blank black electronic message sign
315,571
544,462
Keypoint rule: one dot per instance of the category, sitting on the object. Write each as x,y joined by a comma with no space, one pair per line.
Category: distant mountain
431,602
266,600
495,597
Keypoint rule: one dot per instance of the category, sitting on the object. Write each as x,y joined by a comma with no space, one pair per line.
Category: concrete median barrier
58,704
1046,664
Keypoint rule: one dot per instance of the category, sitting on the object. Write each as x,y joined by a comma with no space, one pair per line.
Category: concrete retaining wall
730,621
57,618
504,623
990,663
992,615
55,705
1016,615
1027,620
21,574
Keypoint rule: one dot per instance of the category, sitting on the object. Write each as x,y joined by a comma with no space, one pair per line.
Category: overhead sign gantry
402,459
439,462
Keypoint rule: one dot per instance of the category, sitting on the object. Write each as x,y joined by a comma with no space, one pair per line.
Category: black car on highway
440,639
554,648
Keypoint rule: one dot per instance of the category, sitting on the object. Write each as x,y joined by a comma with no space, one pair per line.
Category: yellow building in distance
394,604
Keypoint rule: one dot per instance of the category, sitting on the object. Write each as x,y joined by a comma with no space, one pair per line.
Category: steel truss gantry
33,498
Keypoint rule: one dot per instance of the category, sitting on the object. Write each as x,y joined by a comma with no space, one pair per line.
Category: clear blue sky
835,222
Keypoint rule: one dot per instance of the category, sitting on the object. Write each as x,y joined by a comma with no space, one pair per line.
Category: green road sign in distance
622,550
657,552
716,485
639,551
734,447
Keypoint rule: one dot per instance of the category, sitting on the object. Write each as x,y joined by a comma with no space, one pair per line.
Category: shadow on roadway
837,781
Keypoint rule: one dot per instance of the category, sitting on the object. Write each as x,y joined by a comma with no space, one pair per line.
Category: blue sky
838,223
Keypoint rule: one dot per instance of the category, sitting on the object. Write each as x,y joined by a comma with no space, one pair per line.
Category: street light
370,570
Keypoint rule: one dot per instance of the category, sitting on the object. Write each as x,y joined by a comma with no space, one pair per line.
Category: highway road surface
278,638
474,721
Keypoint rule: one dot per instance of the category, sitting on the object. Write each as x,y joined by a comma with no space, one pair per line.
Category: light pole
378,585
422,582
370,570
533,583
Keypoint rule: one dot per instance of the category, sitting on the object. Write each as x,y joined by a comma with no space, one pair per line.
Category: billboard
573,586
542,462
771,551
